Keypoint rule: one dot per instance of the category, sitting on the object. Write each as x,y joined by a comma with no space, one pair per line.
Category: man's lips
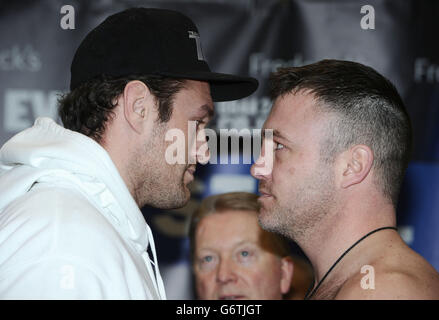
264,193
191,170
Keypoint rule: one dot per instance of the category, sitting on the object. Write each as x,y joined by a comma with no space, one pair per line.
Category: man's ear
137,104
355,165
287,268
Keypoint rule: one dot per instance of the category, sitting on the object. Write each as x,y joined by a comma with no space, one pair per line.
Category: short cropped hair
88,108
368,110
233,201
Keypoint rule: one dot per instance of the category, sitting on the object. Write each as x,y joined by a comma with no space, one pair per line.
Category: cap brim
223,87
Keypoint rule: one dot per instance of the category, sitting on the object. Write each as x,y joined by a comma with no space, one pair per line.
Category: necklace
308,294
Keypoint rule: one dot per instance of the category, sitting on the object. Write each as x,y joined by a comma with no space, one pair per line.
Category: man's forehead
291,109
237,226
195,95
295,103
203,89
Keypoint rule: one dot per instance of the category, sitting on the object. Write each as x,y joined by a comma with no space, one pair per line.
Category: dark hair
88,108
368,110
233,201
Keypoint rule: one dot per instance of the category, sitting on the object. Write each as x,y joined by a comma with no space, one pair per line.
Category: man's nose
263,166
226,272
253,170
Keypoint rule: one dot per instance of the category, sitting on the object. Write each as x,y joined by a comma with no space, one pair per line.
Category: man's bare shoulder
407,277
390,286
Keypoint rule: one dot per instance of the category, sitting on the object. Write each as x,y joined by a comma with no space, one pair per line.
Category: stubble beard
162,185
298,216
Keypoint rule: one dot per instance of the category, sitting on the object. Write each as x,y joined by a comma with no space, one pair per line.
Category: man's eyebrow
208,109
279,134
276,133
233,245
245,242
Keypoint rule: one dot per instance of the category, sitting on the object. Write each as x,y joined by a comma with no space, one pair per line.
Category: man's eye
245,253
207,259
279,146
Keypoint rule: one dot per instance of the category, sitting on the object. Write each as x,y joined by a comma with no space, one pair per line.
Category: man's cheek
267,283
254,278
291,171
206,288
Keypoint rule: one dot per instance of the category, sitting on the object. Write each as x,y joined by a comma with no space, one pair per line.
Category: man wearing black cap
70,224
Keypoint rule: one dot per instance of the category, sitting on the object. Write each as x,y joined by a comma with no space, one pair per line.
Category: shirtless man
342,141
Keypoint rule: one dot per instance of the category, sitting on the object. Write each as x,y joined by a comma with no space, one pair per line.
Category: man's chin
175,199
180,201
263,217
267,221
265,210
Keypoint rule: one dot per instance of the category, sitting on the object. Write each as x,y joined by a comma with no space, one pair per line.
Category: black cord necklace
308,294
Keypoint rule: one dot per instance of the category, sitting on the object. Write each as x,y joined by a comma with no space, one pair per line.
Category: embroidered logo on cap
196,36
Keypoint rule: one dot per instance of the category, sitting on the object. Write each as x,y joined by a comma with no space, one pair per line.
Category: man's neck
120,154
331,238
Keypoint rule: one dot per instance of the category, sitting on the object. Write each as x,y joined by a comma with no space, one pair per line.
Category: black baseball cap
152,42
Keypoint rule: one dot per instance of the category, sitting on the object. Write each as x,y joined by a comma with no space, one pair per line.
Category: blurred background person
234,258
